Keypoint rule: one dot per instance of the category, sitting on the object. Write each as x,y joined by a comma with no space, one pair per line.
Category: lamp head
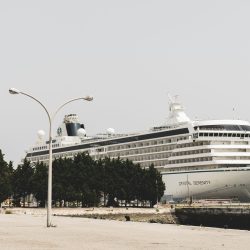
88,98
14,91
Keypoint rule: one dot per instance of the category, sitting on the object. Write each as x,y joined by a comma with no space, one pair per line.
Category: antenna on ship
171,101
170,98
173,98
233,112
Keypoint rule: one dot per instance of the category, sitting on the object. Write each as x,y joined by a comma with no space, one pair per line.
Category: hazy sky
128,55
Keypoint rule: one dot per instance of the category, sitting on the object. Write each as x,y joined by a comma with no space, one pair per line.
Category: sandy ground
28,232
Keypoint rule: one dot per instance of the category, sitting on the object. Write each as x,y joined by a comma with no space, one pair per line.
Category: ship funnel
72,125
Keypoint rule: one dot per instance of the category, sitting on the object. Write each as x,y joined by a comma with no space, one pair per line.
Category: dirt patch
163,218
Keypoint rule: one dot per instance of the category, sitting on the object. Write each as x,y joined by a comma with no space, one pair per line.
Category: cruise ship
198,159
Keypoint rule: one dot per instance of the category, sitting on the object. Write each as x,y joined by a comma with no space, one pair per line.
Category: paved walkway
28,232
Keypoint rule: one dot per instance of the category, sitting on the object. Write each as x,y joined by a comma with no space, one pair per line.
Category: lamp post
50,117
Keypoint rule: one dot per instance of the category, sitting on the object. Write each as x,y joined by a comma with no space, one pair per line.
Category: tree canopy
6,170
83,181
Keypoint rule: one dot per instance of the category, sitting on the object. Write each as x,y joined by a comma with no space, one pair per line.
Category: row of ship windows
55,156
141,151
205,143
191,168
156,164
146,143
224,127
193,144
145,161
241,135
197,159
201,151
229,142
232,158
200,159
221,150
127,146
203,167
39,148
140,158
163,164
191,152
168,154
149,157
45,147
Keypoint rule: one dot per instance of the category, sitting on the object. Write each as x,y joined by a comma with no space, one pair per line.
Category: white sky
128,54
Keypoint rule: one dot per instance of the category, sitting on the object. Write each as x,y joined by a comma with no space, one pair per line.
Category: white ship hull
219,184
202,159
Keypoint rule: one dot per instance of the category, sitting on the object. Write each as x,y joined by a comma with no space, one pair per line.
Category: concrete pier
26,231
235,216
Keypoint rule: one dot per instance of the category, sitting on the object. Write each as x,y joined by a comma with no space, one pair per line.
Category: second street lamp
50,117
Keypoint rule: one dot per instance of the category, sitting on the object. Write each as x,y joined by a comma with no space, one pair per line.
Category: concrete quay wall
237,217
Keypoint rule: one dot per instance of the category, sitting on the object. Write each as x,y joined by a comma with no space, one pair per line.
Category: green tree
87,183
22,182
6,171
63,180
83,180
153,186
40,183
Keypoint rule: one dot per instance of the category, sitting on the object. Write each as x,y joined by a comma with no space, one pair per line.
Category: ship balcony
226,155
211,161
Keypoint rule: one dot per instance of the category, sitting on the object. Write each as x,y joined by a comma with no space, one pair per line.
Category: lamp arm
72,100
47,112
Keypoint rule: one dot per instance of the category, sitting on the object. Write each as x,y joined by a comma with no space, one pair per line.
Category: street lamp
14,91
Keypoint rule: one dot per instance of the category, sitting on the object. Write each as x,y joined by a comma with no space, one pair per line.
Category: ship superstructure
202,159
